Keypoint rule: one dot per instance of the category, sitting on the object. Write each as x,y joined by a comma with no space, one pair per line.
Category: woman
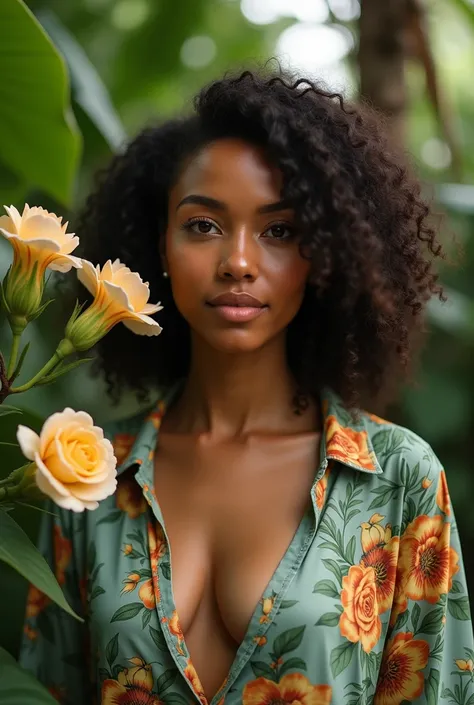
314,553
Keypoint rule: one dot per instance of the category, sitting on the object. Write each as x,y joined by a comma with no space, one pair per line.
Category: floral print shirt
368,605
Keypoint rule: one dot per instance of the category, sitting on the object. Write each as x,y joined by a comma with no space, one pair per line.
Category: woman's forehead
230,166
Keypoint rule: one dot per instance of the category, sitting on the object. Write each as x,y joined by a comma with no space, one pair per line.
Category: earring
165,274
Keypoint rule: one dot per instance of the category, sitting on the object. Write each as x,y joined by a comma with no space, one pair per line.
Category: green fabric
368,605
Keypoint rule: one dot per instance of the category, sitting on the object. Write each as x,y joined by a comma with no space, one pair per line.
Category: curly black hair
360,216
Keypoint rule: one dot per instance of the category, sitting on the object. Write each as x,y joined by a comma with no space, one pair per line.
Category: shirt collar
346,437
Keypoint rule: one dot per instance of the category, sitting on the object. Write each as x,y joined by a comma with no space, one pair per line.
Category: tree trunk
381,58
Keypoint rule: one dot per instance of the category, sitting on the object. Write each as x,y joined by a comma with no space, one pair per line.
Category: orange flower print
30,633
427,562
383,559
62,555
426,482
35,602
130,582
129,497
175,629
267,606
442,495
193,678
122,444
58,693
400,602
401,676
156,543
132,687
155,416
320,491
260,640
376,419
292,689
465,665
347,445
127,549
147,594
360,620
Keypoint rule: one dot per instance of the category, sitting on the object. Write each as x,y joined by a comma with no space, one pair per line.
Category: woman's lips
239,314
237,306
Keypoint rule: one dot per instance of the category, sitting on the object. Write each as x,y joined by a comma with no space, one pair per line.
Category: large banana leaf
39,140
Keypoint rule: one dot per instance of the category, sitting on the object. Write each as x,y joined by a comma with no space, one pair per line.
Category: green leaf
166,680
88,89
6,409
127,612
402,619
329,619
19,364
291,664
432,622
335,568
63,370
459,609
326,587
284,604
288,641
457,587
20,553
146,616
432,687
341,657
97,591
415,616
350,550
111,651
39,138
166,570
159,639
261,669
18,686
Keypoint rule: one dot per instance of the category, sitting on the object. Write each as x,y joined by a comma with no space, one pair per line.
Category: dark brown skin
234,463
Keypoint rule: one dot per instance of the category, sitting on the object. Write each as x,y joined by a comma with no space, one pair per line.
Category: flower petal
29,441
64,263
137,291
118,295
148,309
15,216
40,227
87,275
143,325
94,493
60,419
57,492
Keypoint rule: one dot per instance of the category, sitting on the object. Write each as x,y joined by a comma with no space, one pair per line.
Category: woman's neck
227,395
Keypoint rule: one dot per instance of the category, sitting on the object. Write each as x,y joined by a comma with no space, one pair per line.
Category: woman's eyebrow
220,206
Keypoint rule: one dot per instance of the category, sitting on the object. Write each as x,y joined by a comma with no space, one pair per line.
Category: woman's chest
230,514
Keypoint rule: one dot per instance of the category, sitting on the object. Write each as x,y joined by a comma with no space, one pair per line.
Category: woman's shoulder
406,459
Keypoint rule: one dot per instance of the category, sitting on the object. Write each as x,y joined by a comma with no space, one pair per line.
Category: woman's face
230,237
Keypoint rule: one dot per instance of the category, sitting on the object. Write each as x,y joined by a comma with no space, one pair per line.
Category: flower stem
64,349
39,375
13,354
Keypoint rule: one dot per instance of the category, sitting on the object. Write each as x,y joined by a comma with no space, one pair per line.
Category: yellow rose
39,241
75,464
119,295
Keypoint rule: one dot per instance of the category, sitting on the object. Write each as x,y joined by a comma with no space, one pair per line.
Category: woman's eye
201,227
279,231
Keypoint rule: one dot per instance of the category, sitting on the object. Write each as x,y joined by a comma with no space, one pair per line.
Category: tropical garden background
79,77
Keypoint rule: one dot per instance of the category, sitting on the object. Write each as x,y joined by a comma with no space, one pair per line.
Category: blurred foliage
135,61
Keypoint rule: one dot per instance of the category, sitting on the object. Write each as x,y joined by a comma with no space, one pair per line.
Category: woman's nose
239,258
